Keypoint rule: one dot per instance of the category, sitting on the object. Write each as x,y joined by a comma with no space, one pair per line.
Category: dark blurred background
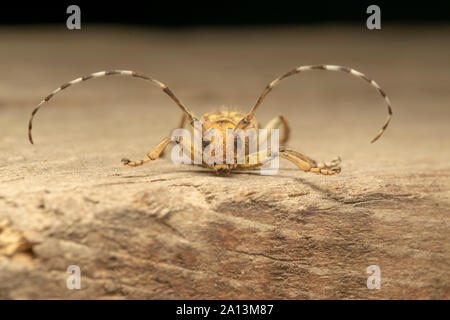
191,13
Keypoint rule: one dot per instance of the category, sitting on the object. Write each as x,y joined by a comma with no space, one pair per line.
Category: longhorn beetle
235,121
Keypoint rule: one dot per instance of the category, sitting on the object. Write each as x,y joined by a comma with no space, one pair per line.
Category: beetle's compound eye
206,143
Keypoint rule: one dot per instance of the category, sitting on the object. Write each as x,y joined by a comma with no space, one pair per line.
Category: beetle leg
276,123
180,126
152,155
309,165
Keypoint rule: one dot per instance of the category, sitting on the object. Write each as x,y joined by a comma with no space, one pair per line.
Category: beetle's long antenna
246,120
159,84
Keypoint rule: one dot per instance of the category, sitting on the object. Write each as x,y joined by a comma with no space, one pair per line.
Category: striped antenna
100,74
246,120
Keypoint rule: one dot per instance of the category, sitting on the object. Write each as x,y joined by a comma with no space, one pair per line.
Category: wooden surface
166,231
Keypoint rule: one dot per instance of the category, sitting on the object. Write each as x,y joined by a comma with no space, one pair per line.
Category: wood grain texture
163,231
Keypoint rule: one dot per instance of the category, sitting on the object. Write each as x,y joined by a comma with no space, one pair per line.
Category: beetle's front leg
309,165
152,155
